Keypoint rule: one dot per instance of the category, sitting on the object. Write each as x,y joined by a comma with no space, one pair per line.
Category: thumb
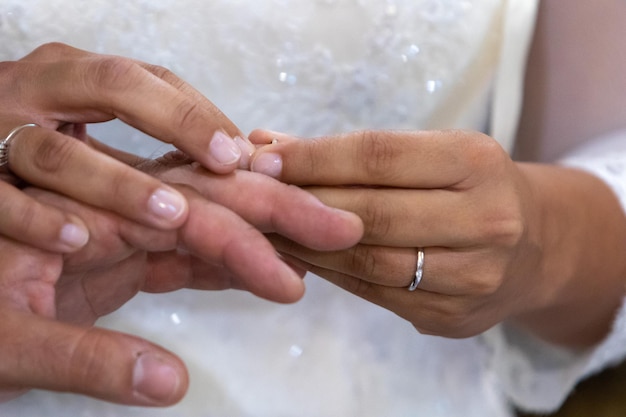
108,365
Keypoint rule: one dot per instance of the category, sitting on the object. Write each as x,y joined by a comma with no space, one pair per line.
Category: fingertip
293,286
224,153
281,283
111,366
73,235
267,163
159,379
343,230
168,206
260,137
299,266
356,227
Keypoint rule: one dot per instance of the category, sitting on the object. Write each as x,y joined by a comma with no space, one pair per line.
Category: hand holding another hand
49,301
61,89
502,240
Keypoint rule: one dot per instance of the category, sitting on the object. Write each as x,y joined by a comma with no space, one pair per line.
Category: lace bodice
307,67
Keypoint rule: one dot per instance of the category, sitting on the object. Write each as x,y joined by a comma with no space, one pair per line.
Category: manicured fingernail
167,204
270,164
74,235
224,149
247,149
154,378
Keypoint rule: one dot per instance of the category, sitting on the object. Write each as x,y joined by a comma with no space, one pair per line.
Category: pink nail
74,235
270,164
154,379
224,149
166,204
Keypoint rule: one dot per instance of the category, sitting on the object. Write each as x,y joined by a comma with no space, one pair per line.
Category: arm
575,84
529,243
575,90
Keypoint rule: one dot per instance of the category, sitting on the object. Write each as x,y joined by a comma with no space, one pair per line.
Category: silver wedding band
419,272
6,142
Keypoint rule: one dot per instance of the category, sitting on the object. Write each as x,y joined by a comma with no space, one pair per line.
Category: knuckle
111,74
165,74
315,155
23,217
363,261
51,50
361,288
84,365
186,115
377,154
127,184
508,232
475,156
502,225
118,182
482,276
53,154
481,148
485,157
377,219
452,323
485,284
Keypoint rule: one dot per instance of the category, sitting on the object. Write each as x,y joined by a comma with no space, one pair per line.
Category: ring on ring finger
419,271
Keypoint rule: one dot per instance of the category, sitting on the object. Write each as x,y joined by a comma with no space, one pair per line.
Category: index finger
271,206
92,88
409,159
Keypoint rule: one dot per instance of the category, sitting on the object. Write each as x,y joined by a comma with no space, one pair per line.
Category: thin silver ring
419,272
6,142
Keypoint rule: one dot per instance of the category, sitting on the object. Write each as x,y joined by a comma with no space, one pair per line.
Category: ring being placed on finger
419,272
6,142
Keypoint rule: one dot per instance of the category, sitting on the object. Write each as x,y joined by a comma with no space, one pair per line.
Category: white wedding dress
310,67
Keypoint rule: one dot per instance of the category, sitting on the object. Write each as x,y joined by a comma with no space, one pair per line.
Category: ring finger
444,271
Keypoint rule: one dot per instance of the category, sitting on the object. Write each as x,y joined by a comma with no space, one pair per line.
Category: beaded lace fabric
391,63
306,67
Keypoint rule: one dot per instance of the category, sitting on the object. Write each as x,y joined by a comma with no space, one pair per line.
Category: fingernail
154,378
224,149
247,149
167,204
74,235
270,164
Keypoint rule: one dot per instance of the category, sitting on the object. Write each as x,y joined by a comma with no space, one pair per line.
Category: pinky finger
24,219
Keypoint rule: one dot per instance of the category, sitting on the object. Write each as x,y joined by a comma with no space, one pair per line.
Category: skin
49,301
206,234
511,253
574,87
529,255
61,88
529,243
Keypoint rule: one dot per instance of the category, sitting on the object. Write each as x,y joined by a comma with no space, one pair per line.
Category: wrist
581,232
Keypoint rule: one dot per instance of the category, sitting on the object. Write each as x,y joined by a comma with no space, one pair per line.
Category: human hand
49,302
61,89
498,236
